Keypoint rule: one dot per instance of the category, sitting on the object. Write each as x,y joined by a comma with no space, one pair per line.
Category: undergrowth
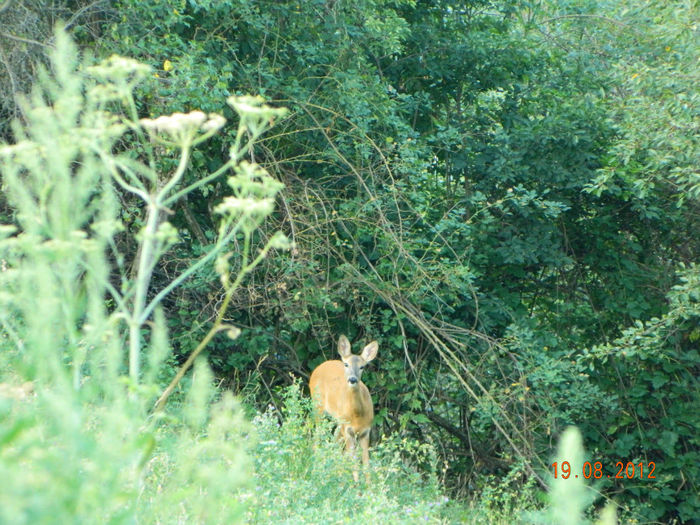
303,476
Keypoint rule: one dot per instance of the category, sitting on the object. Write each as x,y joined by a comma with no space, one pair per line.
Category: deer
336,389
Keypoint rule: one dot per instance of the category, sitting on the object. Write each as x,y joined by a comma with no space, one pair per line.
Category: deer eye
346,365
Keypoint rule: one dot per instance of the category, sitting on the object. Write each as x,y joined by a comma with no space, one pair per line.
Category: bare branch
23,39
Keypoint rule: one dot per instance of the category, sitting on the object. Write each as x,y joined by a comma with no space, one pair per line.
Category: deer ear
370,351
344,347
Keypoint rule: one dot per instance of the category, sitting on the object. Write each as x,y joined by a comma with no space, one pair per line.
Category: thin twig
23,39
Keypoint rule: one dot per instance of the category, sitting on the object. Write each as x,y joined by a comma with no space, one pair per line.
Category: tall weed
83,444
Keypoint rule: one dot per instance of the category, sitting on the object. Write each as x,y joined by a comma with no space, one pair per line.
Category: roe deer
336,389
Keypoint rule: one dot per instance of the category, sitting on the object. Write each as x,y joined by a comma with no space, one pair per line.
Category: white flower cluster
253,106
120,70
255,115
246,206
184,126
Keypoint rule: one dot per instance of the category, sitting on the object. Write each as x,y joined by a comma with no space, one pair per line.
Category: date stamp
621,470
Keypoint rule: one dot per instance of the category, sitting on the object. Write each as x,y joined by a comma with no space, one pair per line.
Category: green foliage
650,373
656,116
303,477
487,188
203,459
569,497
502,500
27,33
54,269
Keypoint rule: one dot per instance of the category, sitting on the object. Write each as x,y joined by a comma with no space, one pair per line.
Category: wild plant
80,321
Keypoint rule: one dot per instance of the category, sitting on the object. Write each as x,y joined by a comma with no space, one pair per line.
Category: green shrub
498,500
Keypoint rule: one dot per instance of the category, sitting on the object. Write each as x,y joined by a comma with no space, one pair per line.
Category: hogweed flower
253,180
214,123
120,70
246,206
167,233
116,78
255,116
247,105
280,241
183,127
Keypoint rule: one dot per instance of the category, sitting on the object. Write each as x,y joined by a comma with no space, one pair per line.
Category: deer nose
352,380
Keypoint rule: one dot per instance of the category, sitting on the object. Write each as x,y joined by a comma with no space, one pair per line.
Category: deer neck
357,399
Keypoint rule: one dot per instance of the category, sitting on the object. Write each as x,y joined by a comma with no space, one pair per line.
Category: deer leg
364,442
350,447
